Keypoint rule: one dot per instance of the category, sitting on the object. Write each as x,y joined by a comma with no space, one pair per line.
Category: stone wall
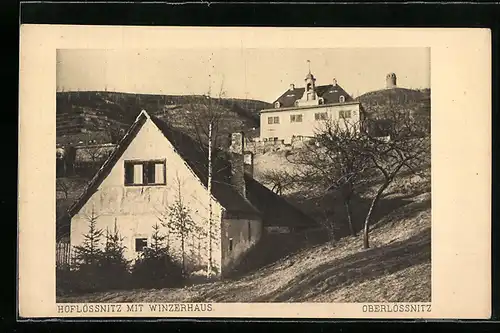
258,146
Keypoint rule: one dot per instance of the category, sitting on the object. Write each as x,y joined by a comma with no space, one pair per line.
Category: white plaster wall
245,233
135,209
309,125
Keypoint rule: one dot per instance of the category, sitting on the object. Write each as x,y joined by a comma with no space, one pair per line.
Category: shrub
156,271
113,267
155,268
65,281
95,269
84,279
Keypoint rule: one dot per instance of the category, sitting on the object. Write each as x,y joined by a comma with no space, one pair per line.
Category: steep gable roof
276,210
107,166
193,155
330,93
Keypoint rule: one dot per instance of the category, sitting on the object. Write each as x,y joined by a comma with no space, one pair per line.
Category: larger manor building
300,112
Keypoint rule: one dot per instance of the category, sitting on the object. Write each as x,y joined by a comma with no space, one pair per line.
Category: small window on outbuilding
230,244
140,244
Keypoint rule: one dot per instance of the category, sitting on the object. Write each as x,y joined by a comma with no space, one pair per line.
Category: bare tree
278,180
178,219
405,149
347,156
92,155
333,163
206,115
114,133
62,186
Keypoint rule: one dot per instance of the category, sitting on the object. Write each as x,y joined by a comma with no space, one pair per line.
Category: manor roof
330,94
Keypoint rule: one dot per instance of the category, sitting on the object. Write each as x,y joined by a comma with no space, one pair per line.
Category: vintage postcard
175,172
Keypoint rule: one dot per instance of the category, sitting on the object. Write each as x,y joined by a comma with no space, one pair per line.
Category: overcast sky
253,73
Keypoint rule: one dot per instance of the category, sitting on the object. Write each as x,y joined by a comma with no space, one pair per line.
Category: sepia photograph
245,172
243,175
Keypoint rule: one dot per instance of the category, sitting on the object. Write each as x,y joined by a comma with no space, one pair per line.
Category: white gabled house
151,167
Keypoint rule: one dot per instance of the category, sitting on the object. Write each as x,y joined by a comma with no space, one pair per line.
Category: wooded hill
416,101
101,116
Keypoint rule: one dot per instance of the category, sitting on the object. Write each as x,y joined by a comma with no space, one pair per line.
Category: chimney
334,82
237,162
248,161
292,87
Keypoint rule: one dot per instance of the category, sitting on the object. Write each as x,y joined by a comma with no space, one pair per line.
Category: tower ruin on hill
390,80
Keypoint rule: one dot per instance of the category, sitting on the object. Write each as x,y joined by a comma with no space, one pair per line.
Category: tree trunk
366,227
64,168
331,230
347,205
209,185
183,256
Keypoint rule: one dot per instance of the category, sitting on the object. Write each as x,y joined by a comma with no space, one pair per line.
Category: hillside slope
397,268
417,102
395,96
94,115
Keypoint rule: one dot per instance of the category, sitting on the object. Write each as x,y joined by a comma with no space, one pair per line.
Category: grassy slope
396,268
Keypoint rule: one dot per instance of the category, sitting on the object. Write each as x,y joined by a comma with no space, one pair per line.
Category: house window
277,105
345,114
296,118
145,172
140,244
249,232
321,116
273,120
341,99
230,244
